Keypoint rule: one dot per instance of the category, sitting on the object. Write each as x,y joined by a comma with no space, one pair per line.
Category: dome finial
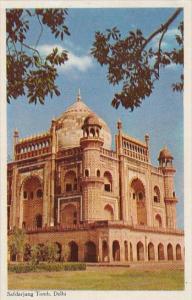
79,95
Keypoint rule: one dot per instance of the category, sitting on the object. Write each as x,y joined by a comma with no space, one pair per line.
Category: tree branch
163,27
37,42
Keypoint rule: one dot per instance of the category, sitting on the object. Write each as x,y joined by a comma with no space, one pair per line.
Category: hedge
49,267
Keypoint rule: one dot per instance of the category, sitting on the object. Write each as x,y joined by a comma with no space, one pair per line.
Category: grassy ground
101,278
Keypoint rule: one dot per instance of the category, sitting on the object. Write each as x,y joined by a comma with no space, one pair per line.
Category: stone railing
135,149
157,229
108,153
102,223
33,146
135,155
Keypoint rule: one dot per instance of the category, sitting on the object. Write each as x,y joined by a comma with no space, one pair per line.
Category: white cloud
168,40
79,63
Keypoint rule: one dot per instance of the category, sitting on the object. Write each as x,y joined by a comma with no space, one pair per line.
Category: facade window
156,197
86,173
31,195
107,187
70,181
174,194
39,193
107,182
133,195
25,194
98,173
68,187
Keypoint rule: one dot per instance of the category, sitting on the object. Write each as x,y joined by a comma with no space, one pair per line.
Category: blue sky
161,115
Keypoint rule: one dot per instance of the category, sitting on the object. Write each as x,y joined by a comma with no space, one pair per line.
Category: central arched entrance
73,251
90,252
138,195
116,251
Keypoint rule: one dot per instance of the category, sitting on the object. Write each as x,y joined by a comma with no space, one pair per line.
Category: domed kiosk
69,126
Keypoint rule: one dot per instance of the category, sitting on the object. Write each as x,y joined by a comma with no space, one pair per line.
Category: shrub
50,267
44,252
43,266
21,268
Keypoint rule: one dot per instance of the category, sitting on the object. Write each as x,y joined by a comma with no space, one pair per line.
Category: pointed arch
161,255
140,251
151,251
138,195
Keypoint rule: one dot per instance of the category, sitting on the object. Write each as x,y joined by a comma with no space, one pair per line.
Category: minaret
15,141
92,180
168,170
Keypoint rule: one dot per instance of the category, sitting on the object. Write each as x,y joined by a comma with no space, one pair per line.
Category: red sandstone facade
67,186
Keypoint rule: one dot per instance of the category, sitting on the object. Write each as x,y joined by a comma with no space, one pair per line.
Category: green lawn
100,278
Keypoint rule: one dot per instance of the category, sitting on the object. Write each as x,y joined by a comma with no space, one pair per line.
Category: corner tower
168,170
92,182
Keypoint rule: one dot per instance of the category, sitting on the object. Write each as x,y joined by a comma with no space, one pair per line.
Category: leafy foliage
44,252
133,63
48,267
16,243
28,73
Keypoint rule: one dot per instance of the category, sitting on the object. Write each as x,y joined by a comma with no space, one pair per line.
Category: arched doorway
138,196
140,251
108,212
158,221
73,251
38,221
169,252
126,250
151,252
90,252
178,252
161,255
105,251
116,251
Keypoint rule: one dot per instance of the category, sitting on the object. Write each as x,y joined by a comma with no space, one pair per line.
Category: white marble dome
69,126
